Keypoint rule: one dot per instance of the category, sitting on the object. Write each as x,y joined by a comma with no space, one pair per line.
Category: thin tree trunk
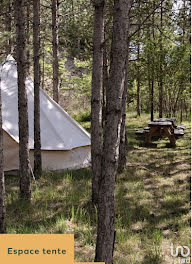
150,83
185,108
179,93
55,50
36,49
153,62
78,46
25,186
96,99
43,65
184,21
123,138
138,82
2,182
161,69
8,20
152,98
181,111
106,208
138,69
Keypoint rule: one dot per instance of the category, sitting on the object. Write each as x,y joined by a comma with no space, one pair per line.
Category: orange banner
37,249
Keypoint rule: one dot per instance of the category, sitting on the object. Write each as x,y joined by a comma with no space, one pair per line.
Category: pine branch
139,27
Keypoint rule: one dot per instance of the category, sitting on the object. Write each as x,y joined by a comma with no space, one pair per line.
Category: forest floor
152,202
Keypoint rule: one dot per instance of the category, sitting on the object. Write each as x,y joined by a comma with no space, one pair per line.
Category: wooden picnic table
161,128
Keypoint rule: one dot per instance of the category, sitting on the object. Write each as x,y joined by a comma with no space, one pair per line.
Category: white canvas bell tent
64,143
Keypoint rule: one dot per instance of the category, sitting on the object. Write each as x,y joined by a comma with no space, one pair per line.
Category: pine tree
106,206
24,170
96,104
36,48
55,50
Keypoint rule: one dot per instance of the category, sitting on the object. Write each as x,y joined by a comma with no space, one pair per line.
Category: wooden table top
169,119
159,123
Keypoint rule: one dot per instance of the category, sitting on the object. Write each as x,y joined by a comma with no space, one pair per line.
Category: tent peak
10,58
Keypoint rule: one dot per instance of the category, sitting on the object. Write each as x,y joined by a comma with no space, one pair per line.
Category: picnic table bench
163,127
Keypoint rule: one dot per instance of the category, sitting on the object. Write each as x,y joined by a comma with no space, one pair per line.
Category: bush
83,117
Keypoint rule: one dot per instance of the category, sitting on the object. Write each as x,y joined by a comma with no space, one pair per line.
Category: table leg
149,135
170,136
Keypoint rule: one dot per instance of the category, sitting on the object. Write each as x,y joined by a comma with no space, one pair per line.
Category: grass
152,202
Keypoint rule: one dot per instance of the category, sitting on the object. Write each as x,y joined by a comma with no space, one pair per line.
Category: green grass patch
152,202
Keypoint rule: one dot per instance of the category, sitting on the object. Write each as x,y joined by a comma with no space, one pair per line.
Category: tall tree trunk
25,186
150,83
28,9
36,49
43,65
55,50
138,82
96,99
161,69
2,183
184,20
8,21
123,138
152,98
138,68
106,208
153,66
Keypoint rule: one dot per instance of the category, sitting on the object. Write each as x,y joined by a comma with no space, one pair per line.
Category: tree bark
138,68
8,20
2,182
153,70
123,138
138,82
96,98
150,82
161,69
43,66
36,56
181,110
105,82
28,9
25,186
55,50
106,210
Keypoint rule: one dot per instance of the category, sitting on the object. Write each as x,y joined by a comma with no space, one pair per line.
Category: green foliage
76,27
166,48
82,64
82,85
83,116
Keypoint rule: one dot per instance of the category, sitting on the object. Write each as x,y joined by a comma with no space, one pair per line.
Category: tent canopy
59,131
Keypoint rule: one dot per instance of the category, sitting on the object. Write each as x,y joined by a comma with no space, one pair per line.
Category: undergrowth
152,202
